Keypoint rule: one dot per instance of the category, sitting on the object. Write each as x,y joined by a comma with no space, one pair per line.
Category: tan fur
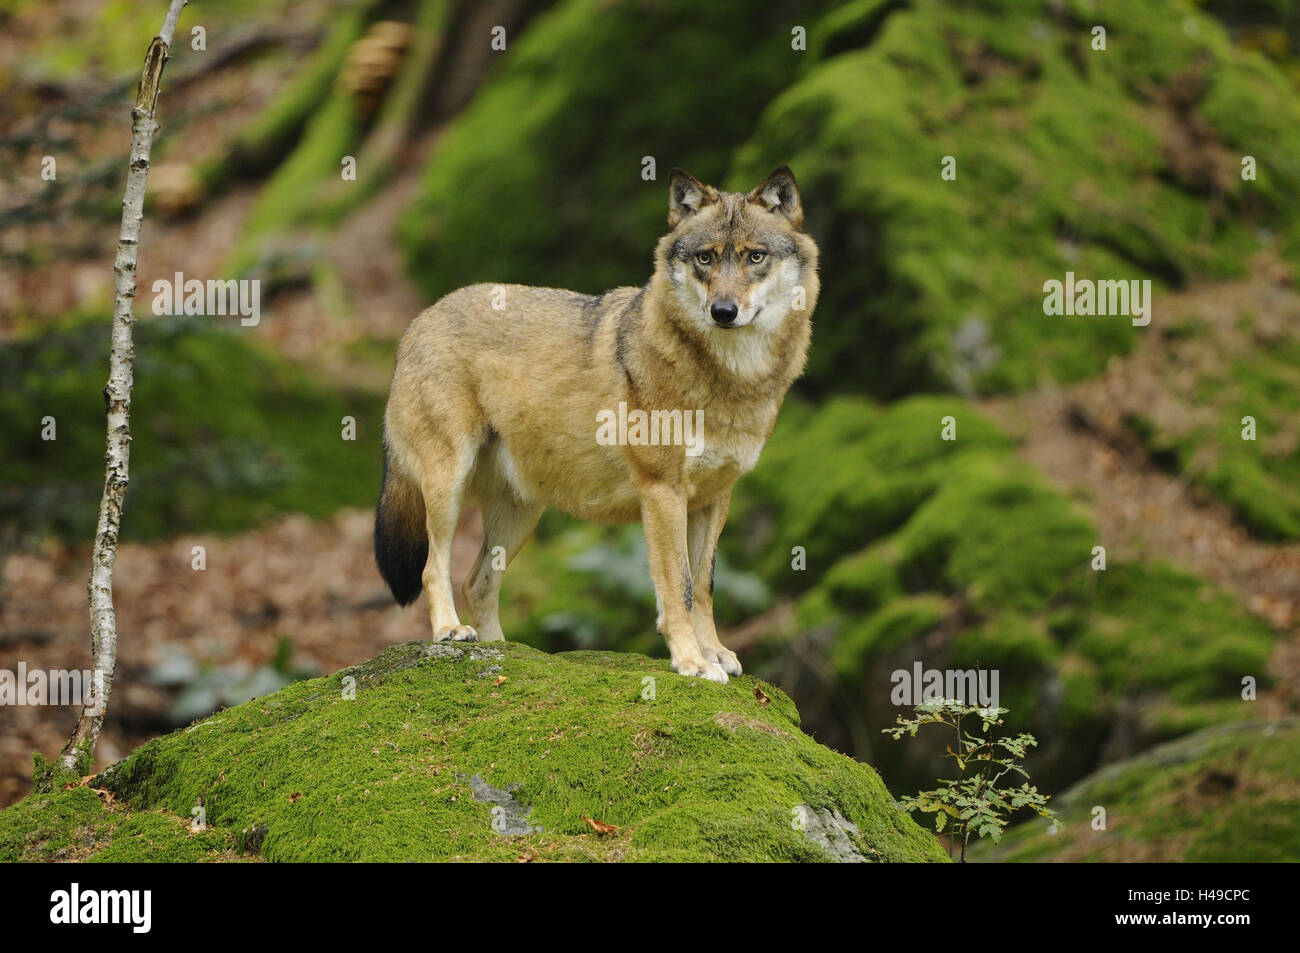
500,407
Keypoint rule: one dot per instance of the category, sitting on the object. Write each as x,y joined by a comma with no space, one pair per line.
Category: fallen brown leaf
761,696
600,827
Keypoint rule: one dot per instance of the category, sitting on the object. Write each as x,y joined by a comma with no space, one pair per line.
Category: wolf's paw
456,633
729,661
699,668
725,659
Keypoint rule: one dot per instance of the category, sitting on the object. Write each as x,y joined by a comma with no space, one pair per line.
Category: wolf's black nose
724,312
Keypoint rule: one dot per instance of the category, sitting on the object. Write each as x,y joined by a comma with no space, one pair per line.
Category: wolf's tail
401,541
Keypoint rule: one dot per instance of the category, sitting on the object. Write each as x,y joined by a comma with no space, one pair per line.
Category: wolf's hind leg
507,524
444,472
703,527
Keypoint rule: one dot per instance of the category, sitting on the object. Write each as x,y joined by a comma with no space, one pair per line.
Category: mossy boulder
551,151
484,752
1121,163
899,545
1225,794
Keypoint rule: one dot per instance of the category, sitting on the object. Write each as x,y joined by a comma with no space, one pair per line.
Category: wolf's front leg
703,527
663,512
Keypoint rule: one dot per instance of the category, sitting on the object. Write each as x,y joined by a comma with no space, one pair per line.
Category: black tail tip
400,557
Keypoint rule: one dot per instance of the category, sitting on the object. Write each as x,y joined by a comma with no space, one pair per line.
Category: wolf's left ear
780,193
686,196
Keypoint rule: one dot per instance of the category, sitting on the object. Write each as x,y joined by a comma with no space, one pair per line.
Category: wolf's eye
704,257
757,256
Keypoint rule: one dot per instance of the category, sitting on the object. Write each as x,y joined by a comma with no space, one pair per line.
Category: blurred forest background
524,165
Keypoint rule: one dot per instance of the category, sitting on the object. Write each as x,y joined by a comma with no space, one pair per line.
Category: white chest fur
732,451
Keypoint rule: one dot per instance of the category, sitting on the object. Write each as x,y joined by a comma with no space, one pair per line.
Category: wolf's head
737,260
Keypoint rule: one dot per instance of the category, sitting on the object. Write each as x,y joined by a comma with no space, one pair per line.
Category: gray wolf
504,396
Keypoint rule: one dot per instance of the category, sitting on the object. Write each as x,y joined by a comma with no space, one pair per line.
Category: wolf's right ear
780,193
686,196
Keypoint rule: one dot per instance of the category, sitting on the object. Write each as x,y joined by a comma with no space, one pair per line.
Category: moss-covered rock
956,553
1225,794
79,824
539,180
484,752
1117,163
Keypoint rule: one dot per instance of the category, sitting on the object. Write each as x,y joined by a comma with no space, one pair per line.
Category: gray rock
509,817
830,830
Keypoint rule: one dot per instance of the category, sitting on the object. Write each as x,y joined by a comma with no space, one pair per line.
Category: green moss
51,775
387,136
1157,627
995,532
522,181
1060,166
115,40
1019,644
1086,706
224,434
1258,479
45,826
164,837
831,479
955,553
899,622
1221,795
687,771
293,196
74,824
275,132
1244,105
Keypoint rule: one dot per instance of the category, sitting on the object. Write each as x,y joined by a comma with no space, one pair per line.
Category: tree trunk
78,754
